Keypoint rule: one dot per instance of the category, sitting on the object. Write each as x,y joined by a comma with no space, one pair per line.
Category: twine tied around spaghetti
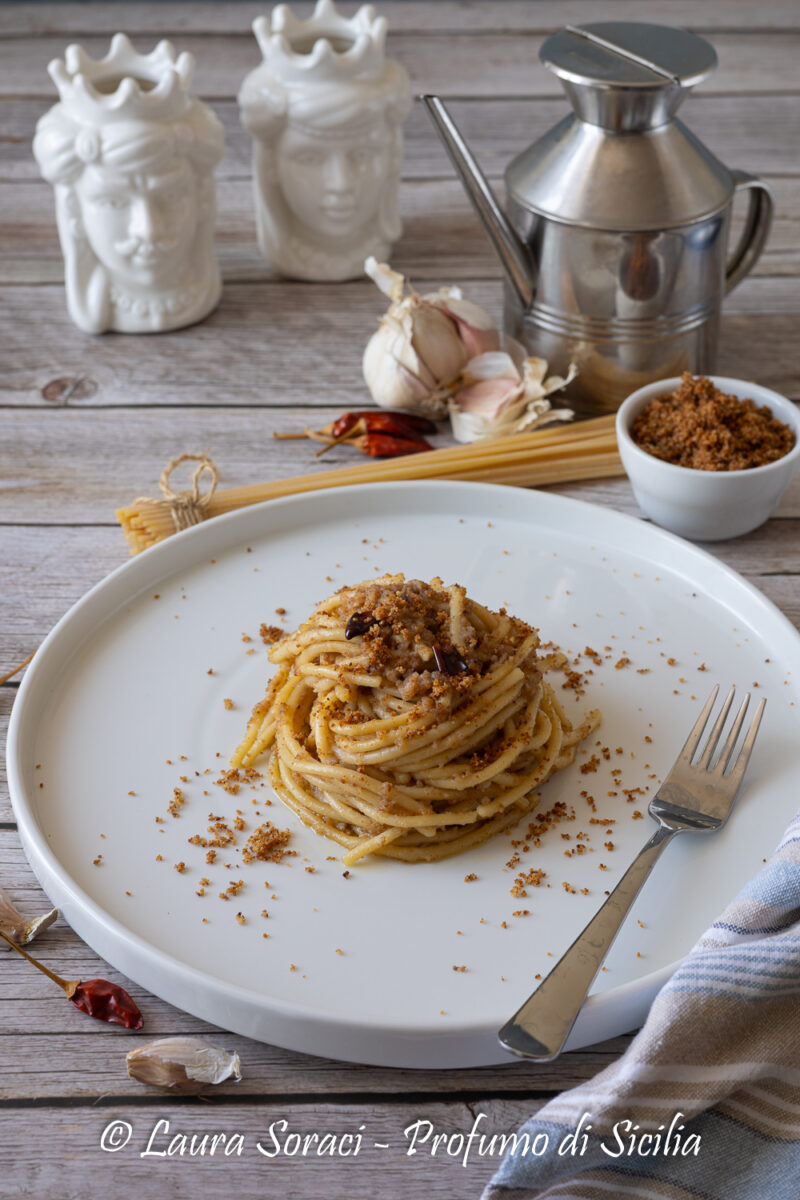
188,508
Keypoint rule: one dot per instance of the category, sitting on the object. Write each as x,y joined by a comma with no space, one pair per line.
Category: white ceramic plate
122,685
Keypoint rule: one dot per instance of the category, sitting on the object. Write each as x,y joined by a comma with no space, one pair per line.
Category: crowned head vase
325,109
131,154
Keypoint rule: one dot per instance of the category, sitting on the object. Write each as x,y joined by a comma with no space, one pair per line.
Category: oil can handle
756,227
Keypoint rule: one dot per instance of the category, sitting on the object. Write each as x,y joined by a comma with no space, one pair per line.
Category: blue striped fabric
718,1057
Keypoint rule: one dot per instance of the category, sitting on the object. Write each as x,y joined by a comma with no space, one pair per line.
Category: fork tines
693,741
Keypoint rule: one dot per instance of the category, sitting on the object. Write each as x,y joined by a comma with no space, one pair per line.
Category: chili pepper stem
69,985
346,437
291,437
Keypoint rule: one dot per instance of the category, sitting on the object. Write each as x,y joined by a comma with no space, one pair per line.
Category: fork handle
542,1025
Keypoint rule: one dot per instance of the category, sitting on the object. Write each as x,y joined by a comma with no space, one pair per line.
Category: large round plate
121,702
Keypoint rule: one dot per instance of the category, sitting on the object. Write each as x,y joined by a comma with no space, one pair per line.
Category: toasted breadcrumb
526,879
700,427
268,844
177,802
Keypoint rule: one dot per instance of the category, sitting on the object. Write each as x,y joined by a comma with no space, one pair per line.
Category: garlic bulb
19,928
182,1064
422,344
492,398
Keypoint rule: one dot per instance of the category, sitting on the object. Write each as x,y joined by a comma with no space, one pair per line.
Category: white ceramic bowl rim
787,412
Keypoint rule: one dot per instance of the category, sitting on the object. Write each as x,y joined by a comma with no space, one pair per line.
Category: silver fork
694,798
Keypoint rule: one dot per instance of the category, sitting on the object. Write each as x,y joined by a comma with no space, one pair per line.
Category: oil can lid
624,163
628,54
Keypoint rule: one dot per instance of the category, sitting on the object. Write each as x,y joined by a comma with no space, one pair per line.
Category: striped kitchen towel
712,1079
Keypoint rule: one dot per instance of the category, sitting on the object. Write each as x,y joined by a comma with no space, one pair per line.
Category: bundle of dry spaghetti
587,450
406,720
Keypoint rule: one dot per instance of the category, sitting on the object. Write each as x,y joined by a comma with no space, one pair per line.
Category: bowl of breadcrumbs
708,457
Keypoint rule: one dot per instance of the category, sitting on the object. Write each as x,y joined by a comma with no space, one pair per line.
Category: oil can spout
512,253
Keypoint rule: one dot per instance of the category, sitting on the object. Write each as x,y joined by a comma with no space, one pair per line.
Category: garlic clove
436,341
486,397
19,928
491,384
495,364
393,373
182,1064
476,328
495,401
466,426
37,925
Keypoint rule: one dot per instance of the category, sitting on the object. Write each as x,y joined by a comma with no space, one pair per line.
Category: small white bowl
707,506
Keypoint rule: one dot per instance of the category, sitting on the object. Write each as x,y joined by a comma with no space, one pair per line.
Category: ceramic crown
77,78
285,41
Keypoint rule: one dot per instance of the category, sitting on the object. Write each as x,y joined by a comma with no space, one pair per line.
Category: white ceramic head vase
325,109
131,155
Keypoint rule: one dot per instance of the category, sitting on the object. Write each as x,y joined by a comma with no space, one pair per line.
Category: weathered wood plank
759,133
453,63
71,466
297,344
64,1158
46,570
442,239
95,1064
7,695
417,16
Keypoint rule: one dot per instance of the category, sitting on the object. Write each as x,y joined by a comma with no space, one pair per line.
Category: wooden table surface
88,423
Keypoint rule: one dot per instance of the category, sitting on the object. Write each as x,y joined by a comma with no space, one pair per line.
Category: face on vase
141,226
333,183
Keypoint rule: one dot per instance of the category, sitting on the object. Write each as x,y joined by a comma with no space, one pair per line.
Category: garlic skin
182,1064
493,398
19,928
422,345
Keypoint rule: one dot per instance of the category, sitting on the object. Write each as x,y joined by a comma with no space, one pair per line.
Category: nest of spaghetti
408,721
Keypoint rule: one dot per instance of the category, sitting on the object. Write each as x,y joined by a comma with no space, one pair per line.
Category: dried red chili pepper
355,428
108,1002
448,660
341,427
97,997
352,426
386,445
417,423
377,421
